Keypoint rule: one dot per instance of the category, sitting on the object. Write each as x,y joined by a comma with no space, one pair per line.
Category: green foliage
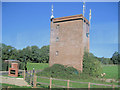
91,65
62,72
116,58
110,70
28,54
91,68
59,71
4,66
21,65
104,60
8,52
44,54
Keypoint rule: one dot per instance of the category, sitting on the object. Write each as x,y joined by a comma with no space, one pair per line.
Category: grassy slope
75,85
13,77
36,66
12,86
111,71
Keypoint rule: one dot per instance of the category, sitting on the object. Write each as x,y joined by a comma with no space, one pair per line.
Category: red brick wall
70,46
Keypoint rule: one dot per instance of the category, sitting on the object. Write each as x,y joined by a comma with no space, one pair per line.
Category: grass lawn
20,76
111,71
37,66
12,86
74,85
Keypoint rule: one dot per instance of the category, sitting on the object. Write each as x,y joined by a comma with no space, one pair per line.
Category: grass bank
110,70
12,86
37,66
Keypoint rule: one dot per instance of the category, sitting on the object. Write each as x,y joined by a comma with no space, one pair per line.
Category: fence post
89,86
113,86
50,82
24,74
34,81
30,78
68,84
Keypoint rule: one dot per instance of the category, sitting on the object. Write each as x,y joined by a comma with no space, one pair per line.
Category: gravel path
14,81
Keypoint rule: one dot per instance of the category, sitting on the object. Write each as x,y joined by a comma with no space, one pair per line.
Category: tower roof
69,18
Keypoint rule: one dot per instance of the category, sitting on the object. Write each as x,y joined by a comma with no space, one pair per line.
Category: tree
8,52
115,58
28,54
44,54
91,65
20,55
34,53
104,60
119,59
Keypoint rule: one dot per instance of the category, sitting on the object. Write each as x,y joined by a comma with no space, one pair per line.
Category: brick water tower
69,38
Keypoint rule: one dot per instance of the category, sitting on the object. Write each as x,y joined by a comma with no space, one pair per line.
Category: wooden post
113,86
35,81
24,74
8,66
31,79
68,84
50,82
89,86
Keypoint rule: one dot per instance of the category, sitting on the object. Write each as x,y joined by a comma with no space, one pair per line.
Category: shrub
21,65
91,66
59,71
4,66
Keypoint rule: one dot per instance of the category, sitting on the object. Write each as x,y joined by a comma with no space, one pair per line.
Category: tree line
41,55
29,54
115,59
